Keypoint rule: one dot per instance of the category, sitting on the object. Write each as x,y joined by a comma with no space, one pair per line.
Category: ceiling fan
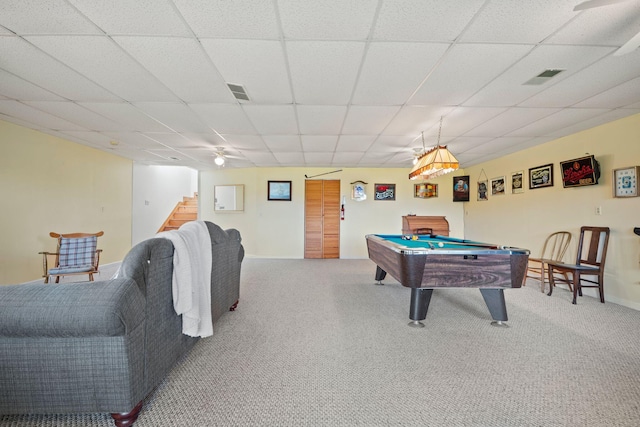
630,45
222,156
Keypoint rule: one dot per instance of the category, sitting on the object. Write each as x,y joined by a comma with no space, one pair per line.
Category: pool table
426,262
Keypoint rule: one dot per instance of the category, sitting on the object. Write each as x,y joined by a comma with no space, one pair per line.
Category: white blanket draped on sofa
192,277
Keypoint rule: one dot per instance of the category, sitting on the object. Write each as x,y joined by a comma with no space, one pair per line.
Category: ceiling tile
464,70
324,72
44,17
510,89
257,65
75,113
250,19
198,81
589,82
321,119
424,20
129,117
347,158
133,140
177,117
510,121
319,143
14,87
354,143
272,119
413,120
224,118
32,115
107,64
556,121
393,71
318,159
283,143
142,17
368,120
289,158
25,60
327,19
617,97
462,119
519,22
610,25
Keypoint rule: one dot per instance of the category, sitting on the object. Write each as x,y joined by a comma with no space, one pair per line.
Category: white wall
526,219
156,191
275,229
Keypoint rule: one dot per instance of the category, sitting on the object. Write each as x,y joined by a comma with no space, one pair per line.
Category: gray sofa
104,346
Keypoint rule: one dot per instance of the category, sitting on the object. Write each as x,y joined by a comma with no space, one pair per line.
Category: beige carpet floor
316,343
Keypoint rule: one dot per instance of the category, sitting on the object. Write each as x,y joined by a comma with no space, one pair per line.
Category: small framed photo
461,188
517,182
279,190
385,191
541,176
425,190
483,191
497,186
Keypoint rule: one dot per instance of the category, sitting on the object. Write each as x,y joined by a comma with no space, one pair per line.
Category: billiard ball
414,237
440,244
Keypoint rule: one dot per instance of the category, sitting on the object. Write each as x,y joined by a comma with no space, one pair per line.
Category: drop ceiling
331,83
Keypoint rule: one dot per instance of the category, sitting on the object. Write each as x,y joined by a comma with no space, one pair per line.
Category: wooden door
322,219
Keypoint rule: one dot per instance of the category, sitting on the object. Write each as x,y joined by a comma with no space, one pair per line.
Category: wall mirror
228,197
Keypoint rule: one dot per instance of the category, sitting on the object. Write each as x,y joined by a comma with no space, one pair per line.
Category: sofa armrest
87,309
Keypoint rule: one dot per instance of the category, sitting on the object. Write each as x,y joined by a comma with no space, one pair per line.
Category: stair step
188,216
187,208
178,222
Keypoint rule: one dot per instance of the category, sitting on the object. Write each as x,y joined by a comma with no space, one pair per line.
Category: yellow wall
526,219
275,229
50,184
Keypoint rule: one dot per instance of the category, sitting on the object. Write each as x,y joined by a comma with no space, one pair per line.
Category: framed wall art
385,191
517,182
279,190
497,186
483,191
461,188
579,172
425,190
541,176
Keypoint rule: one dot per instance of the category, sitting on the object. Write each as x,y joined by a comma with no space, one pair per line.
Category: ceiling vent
543,77
238,91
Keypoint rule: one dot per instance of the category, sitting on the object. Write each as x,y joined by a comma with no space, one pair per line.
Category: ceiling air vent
238,91
543,77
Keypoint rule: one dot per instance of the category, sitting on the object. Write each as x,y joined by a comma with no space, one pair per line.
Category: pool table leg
420,299
380,275
494,298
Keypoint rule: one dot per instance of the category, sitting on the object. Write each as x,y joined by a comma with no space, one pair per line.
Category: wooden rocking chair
77,254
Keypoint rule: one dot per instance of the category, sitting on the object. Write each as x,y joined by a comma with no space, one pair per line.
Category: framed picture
497,186
425,190
580,171
385,191
517,182
279,190
625,181
483,191
541,176
461,188
359,191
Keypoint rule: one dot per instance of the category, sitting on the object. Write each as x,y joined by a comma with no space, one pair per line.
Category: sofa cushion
82,309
